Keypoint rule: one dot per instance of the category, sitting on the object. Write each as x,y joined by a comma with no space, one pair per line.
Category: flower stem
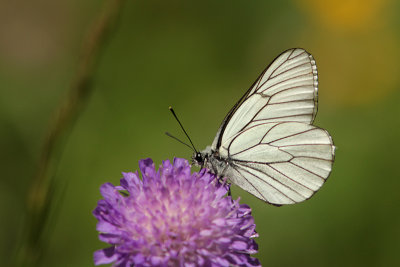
41,192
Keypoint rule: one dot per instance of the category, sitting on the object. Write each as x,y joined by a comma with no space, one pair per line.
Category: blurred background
200,57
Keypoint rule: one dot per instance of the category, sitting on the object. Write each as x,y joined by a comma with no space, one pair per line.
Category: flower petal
104,256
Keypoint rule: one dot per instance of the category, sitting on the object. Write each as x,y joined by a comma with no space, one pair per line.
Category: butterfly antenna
173,113
180,141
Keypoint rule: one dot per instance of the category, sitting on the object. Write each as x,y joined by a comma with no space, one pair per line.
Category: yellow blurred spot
355,46
346,14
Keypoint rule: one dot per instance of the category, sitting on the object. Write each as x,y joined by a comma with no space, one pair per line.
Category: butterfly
267,143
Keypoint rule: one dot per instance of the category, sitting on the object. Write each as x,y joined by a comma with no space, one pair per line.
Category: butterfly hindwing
280,162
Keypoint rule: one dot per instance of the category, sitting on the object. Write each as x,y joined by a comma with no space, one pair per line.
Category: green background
200,57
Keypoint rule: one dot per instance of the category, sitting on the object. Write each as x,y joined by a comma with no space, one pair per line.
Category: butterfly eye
199,158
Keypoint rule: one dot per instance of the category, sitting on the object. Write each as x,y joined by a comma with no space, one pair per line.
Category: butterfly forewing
285,91
271,148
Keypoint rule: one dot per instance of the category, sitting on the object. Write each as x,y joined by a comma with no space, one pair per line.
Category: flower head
173,218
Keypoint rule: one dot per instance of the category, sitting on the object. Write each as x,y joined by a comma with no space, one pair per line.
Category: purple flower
173,218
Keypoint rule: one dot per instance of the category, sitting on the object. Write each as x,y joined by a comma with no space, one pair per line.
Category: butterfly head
200,158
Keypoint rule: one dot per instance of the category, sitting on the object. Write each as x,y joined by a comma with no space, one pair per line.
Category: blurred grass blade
43,193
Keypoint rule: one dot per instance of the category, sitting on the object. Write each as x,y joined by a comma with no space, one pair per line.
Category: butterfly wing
279,162
285,91
273,150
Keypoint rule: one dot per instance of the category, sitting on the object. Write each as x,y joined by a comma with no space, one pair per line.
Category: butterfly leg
230,195
202,171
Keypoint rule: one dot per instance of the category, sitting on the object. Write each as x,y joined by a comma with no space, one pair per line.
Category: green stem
40,195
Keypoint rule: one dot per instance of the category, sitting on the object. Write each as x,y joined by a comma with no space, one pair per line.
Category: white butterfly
267,144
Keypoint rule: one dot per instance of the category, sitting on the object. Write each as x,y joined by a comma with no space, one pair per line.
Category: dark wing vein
292,68
309,157
272,178
252,174
291,78
291,135
255,188
280,65
245,130
323,179
292,181
286,116
292,101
